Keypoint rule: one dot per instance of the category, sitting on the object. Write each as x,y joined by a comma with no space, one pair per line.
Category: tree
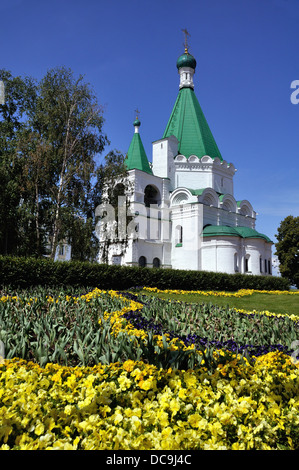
56,148
287,249
51,134
15,229
69,119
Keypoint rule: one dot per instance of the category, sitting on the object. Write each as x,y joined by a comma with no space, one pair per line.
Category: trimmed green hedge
26,272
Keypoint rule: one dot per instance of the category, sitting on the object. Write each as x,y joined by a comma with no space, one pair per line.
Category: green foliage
50,136
221,324
15,219
25,272
64,326
287,249
37,328
65,332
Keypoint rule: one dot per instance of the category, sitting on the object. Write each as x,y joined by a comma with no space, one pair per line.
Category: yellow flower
238,446
68,409
124,382
148,384
118,417
71,381
128,365
174,406
162,418
135,422
39,429
182,394
197,421
190,379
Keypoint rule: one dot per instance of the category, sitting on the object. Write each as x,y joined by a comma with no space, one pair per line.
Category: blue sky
247,58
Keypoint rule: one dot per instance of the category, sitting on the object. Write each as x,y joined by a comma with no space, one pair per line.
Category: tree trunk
57,214
60,188
37,231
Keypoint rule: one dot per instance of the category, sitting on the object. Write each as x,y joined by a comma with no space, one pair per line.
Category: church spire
186,65
136,157
187,121
137,122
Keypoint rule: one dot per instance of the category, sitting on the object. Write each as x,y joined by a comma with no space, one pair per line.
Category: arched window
151,196
156,263
118,190
178,235
209,200
236,263
228,206
180,198
142,261
246,263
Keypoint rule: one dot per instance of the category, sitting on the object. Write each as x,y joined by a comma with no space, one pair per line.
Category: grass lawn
276,303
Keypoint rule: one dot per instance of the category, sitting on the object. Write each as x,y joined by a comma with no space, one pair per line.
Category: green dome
136,122
186,60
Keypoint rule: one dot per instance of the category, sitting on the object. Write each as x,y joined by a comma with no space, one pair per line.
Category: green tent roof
223,230
136,157
188,124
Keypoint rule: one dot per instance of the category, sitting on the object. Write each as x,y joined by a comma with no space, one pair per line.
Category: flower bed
137,406
126,400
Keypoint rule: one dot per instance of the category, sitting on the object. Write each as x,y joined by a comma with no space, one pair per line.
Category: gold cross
137,113
186,39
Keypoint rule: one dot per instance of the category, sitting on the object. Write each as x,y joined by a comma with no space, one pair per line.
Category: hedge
26,272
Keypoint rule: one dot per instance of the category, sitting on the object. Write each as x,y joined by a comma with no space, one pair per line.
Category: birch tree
69,118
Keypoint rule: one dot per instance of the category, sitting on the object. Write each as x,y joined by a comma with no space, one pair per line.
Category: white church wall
245,221
227,218
260,252
186,240
223,177
150,251
234,254
219,254
140,180
164,151
189,176
210,215
195,173
254,250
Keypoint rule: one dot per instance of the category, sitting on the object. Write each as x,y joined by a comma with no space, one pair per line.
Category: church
183,211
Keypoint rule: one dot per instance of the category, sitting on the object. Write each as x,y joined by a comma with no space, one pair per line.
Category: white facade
168,229
183,211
